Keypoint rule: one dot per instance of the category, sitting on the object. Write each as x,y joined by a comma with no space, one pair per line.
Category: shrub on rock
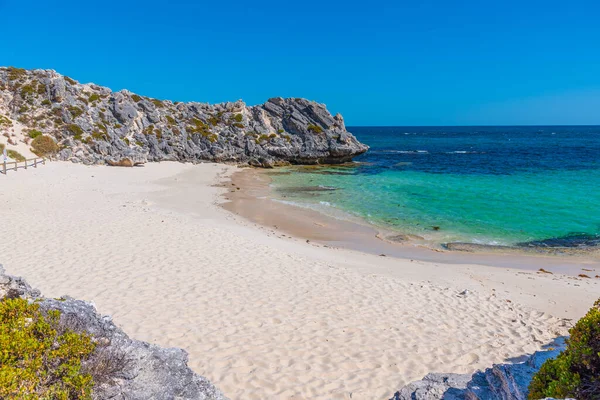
576,371
44,146
38,358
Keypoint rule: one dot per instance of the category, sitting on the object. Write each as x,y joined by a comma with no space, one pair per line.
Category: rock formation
148,371
94,125
501,382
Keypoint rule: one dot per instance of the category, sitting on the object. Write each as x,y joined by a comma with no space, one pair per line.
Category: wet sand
251,197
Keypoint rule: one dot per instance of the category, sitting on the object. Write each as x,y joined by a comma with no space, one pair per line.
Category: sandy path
261,316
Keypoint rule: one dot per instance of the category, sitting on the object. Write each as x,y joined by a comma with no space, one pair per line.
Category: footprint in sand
468,359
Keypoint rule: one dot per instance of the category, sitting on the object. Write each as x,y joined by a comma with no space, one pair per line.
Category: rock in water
151,372
94,125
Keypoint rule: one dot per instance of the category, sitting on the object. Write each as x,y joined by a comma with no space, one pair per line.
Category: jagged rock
501,382
151,372
279,132
129,159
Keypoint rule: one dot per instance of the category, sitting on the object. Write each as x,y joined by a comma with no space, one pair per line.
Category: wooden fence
10,165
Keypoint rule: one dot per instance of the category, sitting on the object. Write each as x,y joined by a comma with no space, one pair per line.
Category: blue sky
378,62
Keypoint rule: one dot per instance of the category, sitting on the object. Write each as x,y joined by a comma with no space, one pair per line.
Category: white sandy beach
265,316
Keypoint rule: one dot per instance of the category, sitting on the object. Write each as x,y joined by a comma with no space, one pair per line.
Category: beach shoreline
262,313
249,195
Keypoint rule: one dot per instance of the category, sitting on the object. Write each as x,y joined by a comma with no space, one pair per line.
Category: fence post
44,161
26,163
35,163
16,166
4,167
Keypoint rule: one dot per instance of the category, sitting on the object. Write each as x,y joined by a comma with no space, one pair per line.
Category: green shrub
280,131
74,129
238,125
27,90
158,103
198,127
170,120
238,117
213,120
314,128
15,73
44,145
75,111
93,97
15,155
46,102
39,360
5,122
34,133
136,98
99,135
71,81
576,371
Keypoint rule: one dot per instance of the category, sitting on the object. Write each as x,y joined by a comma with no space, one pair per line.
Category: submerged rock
95,125
147,371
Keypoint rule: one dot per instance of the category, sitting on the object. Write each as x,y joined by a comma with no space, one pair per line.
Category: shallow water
490,185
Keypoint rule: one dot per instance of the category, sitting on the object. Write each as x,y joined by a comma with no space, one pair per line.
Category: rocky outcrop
501,382
94,125
146,371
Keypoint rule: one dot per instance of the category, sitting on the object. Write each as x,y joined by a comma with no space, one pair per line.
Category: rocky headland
93,125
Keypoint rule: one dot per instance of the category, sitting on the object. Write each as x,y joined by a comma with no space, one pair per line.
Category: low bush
136,98
71,81
15,155
44,145
38,359
75,111
74,129
576,371
238,117
314,128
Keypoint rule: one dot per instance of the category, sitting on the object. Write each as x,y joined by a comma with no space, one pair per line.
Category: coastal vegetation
44,146
15,155
40,358
315,128
575,373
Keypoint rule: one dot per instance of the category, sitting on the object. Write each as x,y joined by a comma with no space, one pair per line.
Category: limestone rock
94,125
500,382
150,372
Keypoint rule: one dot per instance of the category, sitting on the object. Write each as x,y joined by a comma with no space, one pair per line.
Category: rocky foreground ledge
500,382
94,125
146,372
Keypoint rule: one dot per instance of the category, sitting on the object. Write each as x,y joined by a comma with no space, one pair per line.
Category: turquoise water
500,185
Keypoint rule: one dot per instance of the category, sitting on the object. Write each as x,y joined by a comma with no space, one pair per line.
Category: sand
265,315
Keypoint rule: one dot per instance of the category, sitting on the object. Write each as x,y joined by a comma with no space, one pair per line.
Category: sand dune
264,316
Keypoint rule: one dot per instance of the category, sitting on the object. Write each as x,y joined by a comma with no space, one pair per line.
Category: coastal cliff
93,125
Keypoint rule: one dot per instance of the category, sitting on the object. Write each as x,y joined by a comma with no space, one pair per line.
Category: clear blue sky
420,62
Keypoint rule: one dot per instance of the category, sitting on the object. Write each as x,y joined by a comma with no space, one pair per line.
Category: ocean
501,185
